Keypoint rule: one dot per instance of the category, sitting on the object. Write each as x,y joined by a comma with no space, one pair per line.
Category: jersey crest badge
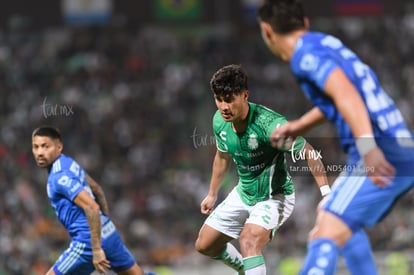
309,62
252,142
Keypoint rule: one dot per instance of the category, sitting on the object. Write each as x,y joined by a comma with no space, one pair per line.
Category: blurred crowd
134,107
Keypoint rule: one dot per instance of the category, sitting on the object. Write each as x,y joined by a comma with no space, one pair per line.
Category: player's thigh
229,216
117,253
209,239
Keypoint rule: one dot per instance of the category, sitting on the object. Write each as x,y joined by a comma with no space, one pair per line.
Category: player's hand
207,205
378,169
282,136
100,262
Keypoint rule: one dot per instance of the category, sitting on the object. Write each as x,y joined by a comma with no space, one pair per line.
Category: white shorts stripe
272,171
73,256
347,193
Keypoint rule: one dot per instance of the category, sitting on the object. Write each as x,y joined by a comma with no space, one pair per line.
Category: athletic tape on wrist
365,143
325,190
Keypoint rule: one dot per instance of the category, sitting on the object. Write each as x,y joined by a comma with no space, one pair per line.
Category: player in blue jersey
370,128
80,205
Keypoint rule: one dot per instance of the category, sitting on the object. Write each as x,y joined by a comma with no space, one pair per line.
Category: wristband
325,190
365,143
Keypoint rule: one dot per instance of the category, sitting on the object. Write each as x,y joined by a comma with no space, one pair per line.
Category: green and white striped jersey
261,168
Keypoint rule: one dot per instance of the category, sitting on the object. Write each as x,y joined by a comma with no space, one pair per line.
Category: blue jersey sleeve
315,57
314,64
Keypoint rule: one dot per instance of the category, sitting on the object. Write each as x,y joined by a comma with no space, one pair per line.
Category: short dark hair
283,16
228,80
47,131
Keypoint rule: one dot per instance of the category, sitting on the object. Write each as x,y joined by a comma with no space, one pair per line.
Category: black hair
47,131
228,81
283,16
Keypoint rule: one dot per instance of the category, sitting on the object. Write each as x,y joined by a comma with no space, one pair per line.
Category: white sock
254,265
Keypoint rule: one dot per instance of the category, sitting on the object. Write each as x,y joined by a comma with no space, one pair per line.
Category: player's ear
266,30
246,94
60,146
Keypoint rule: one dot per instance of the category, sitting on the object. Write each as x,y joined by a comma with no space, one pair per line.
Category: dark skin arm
99,194
92,212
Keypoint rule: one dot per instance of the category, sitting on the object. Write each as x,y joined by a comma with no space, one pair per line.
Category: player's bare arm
221,165
298,127
351,106
99,194
317,169
92,209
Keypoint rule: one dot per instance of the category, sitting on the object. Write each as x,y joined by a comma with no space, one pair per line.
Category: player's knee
203,247
251,243
199,246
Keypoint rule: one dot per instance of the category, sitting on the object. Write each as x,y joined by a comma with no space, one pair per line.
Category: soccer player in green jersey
264,197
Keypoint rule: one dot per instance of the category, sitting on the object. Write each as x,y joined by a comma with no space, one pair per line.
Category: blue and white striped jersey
66,179
315,56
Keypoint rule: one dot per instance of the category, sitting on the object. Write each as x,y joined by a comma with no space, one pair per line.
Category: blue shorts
359,202
77,259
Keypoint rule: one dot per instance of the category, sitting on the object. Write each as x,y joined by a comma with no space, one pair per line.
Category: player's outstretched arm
317,169
92,212
221,165
99,194
298,127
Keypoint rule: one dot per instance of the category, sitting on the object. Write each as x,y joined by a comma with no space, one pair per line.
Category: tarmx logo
305,154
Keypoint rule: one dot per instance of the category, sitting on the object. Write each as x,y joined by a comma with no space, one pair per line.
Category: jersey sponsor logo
64,180
255,154
253,168
252,142
107,230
